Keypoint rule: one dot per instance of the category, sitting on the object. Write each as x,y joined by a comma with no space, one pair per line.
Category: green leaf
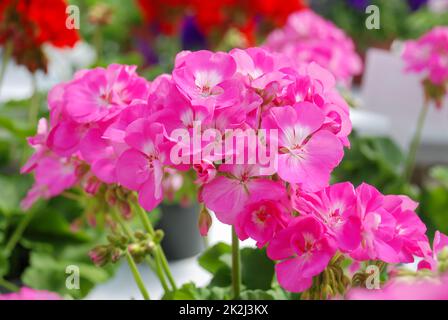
222,277
440,174
214,258
189,291
257,269
47,272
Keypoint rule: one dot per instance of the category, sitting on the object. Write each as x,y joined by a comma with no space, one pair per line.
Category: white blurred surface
398,96
62,63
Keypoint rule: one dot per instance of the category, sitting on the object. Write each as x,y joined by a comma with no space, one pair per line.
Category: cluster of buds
120,198
139,245
111,252
330,283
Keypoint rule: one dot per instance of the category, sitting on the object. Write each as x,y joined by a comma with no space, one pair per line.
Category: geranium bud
205,221
125,209
111,197
158,236
100,255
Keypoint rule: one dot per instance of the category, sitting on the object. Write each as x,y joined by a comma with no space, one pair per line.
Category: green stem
415,144
137,276
167,269
159,269
18,232
117,217
34,104
8,285
6,56
149,228
236,272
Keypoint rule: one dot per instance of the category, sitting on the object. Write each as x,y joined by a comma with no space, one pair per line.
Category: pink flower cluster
307,37
109,126
429,55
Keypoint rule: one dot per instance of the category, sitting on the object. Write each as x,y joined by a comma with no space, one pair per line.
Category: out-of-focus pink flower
429,55
439,243
53,175
38,143
405,289
307,37
304,250
100,94
30,294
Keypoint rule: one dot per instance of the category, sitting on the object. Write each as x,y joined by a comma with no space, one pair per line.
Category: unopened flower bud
100,255
205,221
125,209
158,236
111,197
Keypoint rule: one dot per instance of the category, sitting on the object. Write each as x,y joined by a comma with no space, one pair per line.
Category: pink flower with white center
141,167
100,94
228,193
206,79
30,294
314,84
262,220
307,38
439,244
409,229
304,250
307,154
38,142
53,175
377,227
253,62
429,55
332,206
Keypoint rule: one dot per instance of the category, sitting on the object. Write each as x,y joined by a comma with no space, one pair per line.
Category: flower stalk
415,144
236,266
137,276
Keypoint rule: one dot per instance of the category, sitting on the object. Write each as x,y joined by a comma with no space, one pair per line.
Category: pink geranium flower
439,243
409,229
38,143
227,194
141,167
307,38
402,289
262,220
100,94
307,154
304,251
206,78
53,175
377,227
333,206
429,55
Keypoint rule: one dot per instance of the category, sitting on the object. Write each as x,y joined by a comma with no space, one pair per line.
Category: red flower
27,24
